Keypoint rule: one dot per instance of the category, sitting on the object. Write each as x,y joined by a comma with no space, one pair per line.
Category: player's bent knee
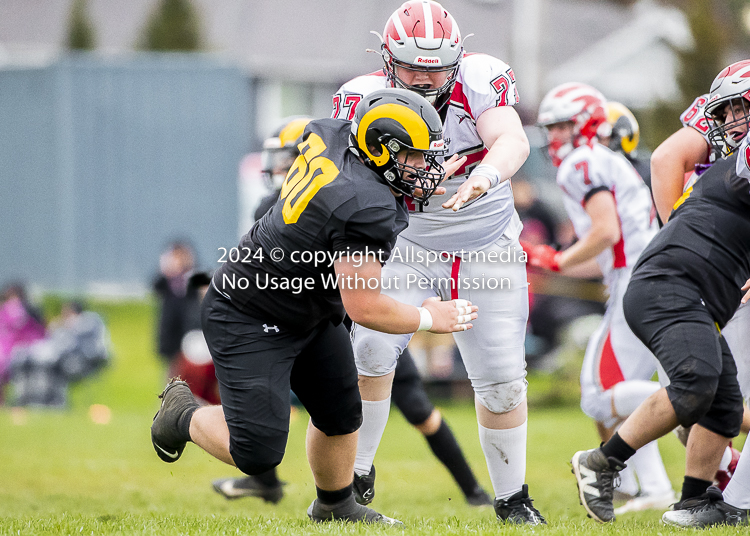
693,395
414,405
598,406
375,354
689,406
502,397
725,416
254,459
341,426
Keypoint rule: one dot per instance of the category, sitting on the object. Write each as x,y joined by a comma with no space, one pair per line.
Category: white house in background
635,64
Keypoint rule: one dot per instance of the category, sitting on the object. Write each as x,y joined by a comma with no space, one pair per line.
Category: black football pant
669,316
258,361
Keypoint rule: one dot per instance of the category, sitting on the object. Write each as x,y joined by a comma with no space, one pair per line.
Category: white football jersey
591,169
482,82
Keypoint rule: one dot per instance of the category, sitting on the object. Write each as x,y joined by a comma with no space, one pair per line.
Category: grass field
62,474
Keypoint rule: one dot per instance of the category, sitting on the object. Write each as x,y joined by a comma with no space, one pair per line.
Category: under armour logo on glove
266,328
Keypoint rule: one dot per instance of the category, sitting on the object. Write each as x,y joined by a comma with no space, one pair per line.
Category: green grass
63,474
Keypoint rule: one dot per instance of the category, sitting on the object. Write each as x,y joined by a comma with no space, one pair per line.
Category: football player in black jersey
686,286
409,395
273,315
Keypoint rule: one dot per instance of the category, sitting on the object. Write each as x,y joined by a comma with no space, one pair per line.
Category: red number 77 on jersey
350,103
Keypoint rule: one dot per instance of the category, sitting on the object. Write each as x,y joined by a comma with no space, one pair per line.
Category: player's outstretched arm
508,147
368,307
548,258
676,155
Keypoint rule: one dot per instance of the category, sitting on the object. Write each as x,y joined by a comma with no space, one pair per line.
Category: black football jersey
265,204
330,204
707,240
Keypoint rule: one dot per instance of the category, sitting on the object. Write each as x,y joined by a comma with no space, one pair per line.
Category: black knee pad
339,420
725,416
692,389
254,457
412,402
341,426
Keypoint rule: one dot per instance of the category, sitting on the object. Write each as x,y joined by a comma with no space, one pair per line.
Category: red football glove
542,256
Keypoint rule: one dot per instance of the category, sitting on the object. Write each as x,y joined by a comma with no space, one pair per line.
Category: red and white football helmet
579,103
422,36
730,87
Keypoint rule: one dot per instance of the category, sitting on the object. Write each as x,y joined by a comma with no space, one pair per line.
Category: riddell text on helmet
421,60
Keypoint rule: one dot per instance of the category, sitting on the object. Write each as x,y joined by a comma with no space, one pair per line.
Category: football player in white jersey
715,125
465,243
612,213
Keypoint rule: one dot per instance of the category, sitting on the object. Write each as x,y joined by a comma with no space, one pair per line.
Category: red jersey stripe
610,373
454,277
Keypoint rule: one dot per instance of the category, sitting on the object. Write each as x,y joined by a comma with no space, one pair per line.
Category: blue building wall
103,161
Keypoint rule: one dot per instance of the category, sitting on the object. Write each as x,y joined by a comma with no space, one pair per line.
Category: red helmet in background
422,36
731,87
579,103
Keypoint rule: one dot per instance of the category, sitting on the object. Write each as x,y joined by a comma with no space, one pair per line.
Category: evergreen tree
174,25
80,29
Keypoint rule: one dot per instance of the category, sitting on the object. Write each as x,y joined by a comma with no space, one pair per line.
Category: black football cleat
707,510
518,509
236,488
595,475
364,487
348,510
166,436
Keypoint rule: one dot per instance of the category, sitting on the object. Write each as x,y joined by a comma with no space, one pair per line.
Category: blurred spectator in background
193,363
20,324
539,223
77,346
538,228
171,287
